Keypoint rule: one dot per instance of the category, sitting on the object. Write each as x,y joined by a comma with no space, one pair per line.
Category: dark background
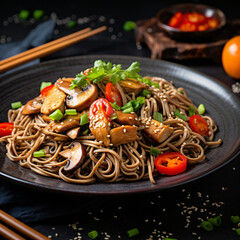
174,213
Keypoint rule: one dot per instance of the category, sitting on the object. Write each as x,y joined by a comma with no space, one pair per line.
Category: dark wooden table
174,213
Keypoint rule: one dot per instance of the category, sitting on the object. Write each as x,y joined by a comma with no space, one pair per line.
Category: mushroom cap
78,98
76,156
33,106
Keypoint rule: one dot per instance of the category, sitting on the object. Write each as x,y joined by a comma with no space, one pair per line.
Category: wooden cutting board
163,47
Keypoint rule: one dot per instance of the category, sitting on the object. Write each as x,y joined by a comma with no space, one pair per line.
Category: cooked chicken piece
54,100
157,130
78,98
100,128
73,133
124,134
127,118
33,106
131,85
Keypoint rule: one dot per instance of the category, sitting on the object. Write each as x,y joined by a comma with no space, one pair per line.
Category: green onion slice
178,114
201,109
129,25
84,119
216,221
56,115
146,93
93,234
133,232
39,153
191,111
154,151
128,110
238,231
45,84
235,219
158,116
71,112
16,105
206,225
115,106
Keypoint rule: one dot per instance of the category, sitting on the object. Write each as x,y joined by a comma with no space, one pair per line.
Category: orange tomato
231,57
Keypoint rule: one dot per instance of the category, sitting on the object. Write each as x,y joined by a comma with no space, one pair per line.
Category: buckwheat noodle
126,162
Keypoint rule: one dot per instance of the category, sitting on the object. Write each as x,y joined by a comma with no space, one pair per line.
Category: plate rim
43,187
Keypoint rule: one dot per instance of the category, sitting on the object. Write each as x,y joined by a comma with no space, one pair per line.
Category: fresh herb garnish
129,26
113,72
154,151
146,93
158,116
191,111
179,115
131,106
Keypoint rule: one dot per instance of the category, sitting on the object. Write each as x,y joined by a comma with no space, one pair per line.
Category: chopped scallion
238,231
16,105
201,109
113,116
154,151
84,119
235,219
56,115
93,234
23,14
191,111
133,232
39,153
45,84
216,221
115,106
206,225
178,114
38,13
146,93
128,110
71,111
170,238
129,25
158,116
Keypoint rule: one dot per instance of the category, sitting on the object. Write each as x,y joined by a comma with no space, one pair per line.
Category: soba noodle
125,162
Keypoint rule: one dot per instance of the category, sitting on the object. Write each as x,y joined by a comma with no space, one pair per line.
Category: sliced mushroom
66,123
131,85
54,100
100,128
127,118
123,135
75,155
78,98
73,133
157,130
33,106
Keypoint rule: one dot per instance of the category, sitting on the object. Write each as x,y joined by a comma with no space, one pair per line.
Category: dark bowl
164,15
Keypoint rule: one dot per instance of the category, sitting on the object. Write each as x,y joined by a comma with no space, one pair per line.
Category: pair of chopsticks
19,227
48,48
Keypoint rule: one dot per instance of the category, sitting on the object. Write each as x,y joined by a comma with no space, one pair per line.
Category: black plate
220,103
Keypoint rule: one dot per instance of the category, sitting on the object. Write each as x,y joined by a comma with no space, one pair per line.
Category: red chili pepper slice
195,18
176,20
100,105
199,125
112,94
46,90
212,22
188,27
6,129
171,163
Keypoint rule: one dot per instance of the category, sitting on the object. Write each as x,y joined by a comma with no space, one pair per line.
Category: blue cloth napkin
29,205
38,36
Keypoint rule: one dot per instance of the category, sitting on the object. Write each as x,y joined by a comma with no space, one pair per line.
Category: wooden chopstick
20,227
46,45
48,48
9,234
